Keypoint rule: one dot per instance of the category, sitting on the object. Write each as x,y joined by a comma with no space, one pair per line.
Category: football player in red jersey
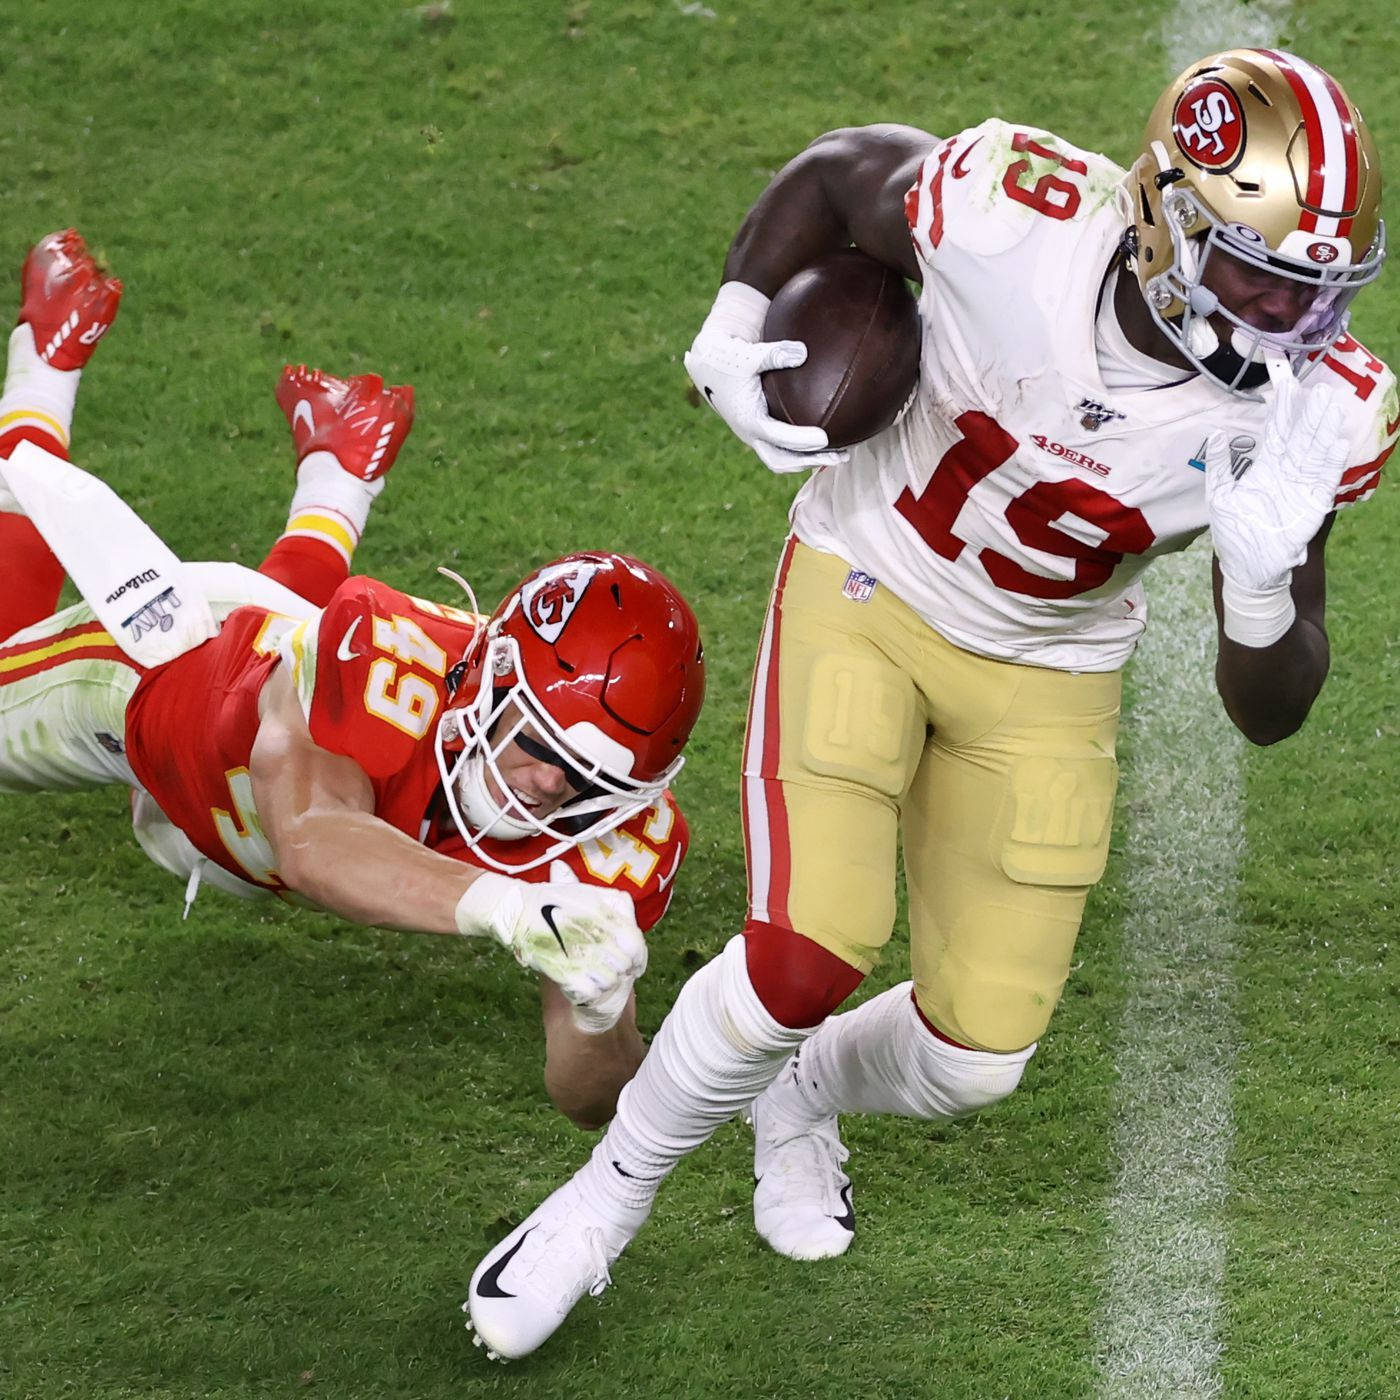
389,759
940,664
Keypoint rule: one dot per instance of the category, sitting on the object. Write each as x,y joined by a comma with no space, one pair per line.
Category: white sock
881,1058
36,395
329,504
715,1053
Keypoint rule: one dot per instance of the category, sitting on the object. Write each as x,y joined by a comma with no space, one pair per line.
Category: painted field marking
1182,796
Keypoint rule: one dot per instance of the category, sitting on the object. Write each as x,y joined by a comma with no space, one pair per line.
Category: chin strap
1224,363
488,818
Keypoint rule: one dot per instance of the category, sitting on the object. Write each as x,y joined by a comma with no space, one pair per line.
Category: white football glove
725,362
584,939
1262,521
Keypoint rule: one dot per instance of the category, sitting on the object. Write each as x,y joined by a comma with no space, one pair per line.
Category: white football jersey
1018,500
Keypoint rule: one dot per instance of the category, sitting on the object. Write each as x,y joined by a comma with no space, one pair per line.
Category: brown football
860,323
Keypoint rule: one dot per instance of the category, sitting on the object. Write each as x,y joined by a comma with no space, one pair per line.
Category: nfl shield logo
858,586
1094,414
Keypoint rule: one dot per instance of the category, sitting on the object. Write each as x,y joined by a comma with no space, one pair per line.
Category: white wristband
739,310
1256,618
589,1020
479,910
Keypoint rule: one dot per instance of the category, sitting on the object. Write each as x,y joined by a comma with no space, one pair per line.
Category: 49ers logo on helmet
1208,124
1322,252
550,600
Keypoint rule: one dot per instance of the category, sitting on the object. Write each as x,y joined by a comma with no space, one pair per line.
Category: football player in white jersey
1113,362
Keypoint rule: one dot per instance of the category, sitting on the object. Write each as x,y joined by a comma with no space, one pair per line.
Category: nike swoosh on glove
1263,519
598,1014
725,362
584,939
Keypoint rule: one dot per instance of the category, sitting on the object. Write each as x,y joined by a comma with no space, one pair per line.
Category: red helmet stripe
1334,158
1341,192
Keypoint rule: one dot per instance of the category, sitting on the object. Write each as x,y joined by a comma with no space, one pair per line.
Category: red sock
32,577
932,1029
308,566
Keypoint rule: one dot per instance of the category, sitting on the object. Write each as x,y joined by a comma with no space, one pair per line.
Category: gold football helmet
1258,155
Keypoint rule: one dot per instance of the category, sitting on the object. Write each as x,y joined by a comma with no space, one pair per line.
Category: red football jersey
640,857
371,675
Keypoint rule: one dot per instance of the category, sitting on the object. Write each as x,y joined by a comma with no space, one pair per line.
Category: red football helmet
596,657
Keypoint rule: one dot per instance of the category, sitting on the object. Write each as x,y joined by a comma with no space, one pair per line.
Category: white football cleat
802,1197
527,1285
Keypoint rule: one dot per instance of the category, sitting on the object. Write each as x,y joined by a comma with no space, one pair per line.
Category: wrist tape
739,310
1256,618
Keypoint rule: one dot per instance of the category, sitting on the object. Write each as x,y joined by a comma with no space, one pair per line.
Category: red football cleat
358,419
68,301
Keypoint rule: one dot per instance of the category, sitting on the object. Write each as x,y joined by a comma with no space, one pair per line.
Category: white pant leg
230,586
64,688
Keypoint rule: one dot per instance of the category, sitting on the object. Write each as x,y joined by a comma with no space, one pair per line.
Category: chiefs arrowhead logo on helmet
549,599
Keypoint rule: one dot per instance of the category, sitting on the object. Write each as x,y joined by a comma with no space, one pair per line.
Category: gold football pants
866,726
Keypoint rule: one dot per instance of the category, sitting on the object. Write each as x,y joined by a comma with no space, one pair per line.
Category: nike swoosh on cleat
547,914
303,410
847,1221
343,652
490,1285
710,395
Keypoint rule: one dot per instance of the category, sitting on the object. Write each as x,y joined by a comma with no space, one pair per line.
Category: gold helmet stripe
1334,157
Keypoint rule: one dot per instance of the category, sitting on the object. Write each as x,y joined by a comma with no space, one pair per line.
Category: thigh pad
1055,820
859,723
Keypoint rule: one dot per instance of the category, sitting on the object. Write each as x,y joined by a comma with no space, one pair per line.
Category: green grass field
258,1153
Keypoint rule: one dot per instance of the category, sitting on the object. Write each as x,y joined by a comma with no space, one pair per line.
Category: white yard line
1182,800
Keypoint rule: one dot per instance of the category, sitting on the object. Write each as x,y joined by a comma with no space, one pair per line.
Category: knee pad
799,983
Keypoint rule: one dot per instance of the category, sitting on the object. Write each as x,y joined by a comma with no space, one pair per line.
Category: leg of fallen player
67,305
347,433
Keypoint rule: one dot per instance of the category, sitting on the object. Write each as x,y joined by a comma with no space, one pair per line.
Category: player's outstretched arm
317,811
585,1069
846,187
